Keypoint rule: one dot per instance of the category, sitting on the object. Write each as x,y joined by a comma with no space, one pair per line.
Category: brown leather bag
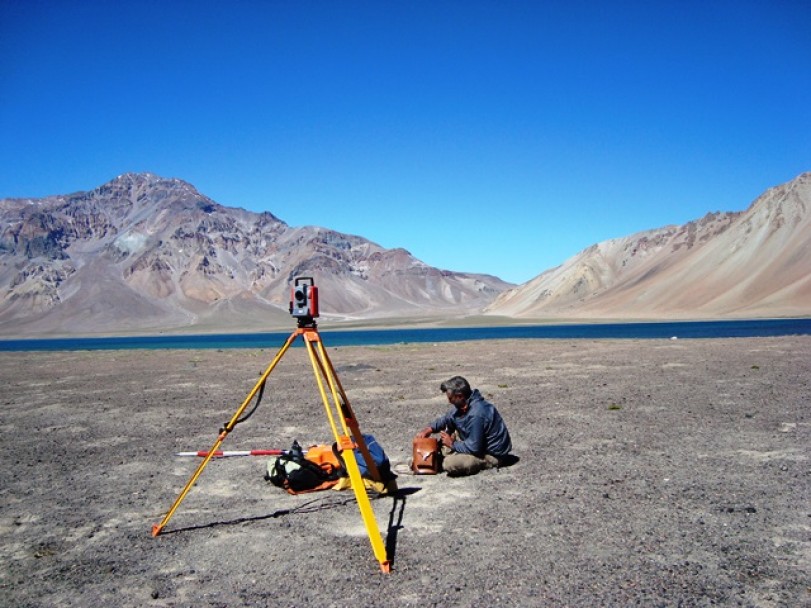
426,457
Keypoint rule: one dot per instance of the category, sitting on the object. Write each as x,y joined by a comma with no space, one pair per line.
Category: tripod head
304,301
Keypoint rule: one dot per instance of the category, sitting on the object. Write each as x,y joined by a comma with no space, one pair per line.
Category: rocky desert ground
651,473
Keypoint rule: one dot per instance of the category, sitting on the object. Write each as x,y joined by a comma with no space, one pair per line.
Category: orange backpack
323,456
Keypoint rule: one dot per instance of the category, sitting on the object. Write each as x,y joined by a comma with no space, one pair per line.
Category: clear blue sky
499,137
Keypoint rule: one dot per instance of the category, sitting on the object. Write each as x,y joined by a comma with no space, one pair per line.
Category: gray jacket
481,429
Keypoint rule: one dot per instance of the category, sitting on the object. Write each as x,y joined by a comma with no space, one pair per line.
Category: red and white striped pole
225,454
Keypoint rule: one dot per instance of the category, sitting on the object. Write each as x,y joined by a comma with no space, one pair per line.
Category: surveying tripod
337,409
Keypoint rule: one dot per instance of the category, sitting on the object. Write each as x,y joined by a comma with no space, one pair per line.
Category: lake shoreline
337,324
370,336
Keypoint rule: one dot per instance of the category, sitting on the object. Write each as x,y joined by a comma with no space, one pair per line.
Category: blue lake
659,330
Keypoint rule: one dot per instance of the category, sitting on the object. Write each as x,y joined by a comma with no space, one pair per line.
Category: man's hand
426,432
446,439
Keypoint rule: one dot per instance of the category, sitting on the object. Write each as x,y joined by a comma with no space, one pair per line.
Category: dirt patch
650,472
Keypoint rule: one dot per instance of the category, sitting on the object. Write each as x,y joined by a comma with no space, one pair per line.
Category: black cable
253,409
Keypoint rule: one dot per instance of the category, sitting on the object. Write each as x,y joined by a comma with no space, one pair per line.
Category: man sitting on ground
473,434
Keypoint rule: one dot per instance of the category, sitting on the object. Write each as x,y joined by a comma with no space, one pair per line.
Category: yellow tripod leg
365,506
347,415
321,370
157,528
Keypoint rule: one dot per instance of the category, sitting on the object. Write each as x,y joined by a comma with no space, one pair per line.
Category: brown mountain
143,254
753,263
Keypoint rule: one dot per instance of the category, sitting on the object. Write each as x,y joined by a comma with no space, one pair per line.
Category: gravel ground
651,473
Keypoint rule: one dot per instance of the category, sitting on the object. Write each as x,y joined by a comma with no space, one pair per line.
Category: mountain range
146,254
754,263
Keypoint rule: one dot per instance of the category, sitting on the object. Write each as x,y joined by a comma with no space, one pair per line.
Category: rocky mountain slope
143,254
745,264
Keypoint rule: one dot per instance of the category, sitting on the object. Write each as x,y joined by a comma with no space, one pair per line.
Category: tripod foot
156,529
